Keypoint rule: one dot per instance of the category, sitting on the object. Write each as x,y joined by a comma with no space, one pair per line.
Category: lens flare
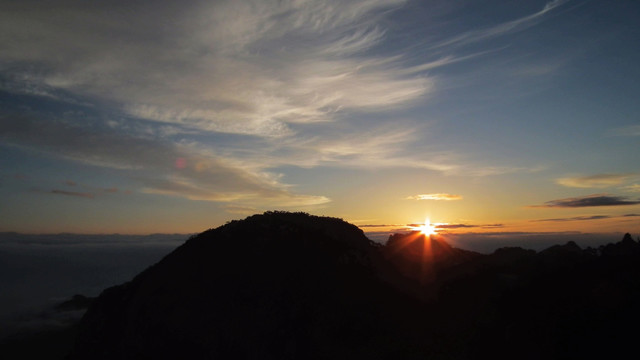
428,228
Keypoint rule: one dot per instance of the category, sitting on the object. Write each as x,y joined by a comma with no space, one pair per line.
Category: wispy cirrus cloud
456,226
595,181
378,225
468,226
632,188
92,189
72,193
576,218
78,194
284,78
586,218
435,196
152,163
589,201
503,28
481,171
240,210
84,191
265,69
250,67
380,146
631,130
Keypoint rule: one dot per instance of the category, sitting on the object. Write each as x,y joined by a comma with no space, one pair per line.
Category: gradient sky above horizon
175,117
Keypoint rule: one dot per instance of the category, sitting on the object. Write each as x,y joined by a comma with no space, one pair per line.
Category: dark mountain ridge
291,286
271,286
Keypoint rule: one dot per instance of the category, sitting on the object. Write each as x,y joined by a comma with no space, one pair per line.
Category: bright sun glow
427,229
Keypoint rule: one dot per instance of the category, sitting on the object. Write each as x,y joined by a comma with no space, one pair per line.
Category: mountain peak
291,285
423,257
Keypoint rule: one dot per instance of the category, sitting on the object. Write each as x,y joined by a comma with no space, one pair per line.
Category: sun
427,229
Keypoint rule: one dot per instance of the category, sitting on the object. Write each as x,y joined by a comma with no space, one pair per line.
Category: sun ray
428,228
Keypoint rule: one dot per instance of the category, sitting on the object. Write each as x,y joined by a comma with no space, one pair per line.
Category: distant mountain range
295,286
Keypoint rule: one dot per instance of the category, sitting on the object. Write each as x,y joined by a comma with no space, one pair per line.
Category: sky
497,116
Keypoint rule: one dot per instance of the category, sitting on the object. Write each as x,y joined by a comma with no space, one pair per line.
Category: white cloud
595,181
632,188
159,167
435,196
268,70
382,146
247,67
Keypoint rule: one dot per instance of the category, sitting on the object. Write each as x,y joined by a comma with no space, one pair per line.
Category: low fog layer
39,271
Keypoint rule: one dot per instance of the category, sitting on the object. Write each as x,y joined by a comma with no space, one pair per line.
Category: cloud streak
208,101
586,218
589,201
594,181
251,67
72,193
631,130
502,29
152,163
455,226
435,196
268,70
467,226
632,188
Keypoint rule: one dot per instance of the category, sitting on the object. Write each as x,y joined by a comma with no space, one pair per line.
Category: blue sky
132,117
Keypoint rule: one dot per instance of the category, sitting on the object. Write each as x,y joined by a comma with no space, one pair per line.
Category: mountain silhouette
273,286
295,286
423,258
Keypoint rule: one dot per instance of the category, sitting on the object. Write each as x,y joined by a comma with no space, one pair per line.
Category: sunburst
427,229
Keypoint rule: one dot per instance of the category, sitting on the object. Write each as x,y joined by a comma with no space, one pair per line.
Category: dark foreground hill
273,286
295,286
